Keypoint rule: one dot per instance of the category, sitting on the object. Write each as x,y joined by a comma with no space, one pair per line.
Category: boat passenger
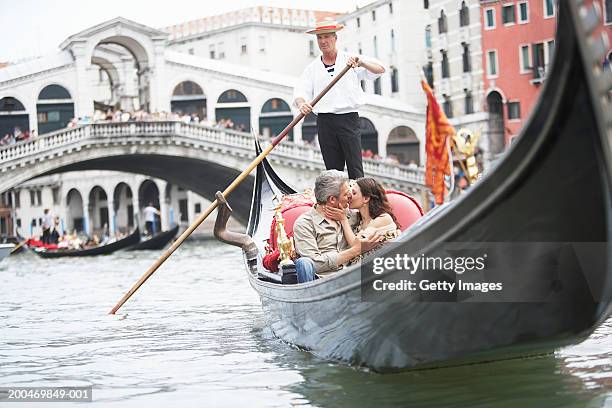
369,199
319,240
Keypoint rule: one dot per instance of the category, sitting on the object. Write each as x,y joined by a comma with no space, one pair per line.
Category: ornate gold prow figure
286,248
466,142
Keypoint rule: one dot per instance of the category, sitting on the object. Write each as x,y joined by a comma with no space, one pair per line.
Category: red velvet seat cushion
405,208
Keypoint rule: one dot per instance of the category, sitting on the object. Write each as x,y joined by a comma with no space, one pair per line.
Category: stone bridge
198,158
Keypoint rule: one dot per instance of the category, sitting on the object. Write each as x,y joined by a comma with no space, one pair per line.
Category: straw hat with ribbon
325,27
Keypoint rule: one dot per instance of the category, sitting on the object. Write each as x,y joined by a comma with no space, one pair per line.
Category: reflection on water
193,335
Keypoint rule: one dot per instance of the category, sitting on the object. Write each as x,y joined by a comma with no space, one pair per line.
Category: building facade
519,45
393,32
269,38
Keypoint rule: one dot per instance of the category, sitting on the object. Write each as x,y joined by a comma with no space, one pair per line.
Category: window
197,208
42,117
608,12
221,50
549,8
508,14
523,13
492,63
262,43
489,19
464,15
377,88
428,69
375,47
514,110
551,52
467,59
447,106
373,15
428,36
392,40
426,4
539,62
32,198
17,199
390,8
211,51
358,22
55,194
445,66
311,48
243,45
442,26
525,58
53,116
394,80
39,197
469,103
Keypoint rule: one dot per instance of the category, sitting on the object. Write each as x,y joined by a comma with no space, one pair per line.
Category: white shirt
345,97
149,213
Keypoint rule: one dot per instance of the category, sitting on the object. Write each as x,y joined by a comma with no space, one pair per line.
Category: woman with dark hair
376,215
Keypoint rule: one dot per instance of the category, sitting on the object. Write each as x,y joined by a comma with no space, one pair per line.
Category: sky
37,27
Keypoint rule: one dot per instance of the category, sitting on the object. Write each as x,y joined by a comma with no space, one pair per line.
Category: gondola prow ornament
466,142
286,249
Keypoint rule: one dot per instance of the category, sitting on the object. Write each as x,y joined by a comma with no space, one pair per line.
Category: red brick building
518,47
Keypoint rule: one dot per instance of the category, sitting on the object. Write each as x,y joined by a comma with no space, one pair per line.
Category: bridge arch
54,108
234,105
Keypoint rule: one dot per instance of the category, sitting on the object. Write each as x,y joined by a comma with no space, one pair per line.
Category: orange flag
438,131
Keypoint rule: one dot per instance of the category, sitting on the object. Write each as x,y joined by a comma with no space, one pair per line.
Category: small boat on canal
123,243
553,186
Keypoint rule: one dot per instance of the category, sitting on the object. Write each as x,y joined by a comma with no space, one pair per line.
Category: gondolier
337,113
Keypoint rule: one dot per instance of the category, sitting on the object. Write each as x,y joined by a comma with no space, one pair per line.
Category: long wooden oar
22,243
227,192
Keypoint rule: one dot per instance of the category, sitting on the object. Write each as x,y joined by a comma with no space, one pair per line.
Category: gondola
158,241
552,186
107,249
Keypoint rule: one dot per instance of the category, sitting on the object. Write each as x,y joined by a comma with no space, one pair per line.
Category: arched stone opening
495,107
54,108
403,145
275,116
188,98
124,208
14,118
98,211
75,220
126,63
369,135
234,107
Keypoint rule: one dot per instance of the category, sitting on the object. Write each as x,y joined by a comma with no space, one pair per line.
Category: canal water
194,335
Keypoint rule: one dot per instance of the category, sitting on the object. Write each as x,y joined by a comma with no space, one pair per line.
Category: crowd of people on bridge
17,135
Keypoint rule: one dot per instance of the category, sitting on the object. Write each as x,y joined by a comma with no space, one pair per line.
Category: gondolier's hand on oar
304,107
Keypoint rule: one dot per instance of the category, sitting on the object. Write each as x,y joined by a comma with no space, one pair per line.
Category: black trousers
340,142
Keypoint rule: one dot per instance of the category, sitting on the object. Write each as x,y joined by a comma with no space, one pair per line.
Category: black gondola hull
107,249
553,186
158,241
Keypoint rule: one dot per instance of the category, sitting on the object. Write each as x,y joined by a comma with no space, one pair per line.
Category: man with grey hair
319,240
